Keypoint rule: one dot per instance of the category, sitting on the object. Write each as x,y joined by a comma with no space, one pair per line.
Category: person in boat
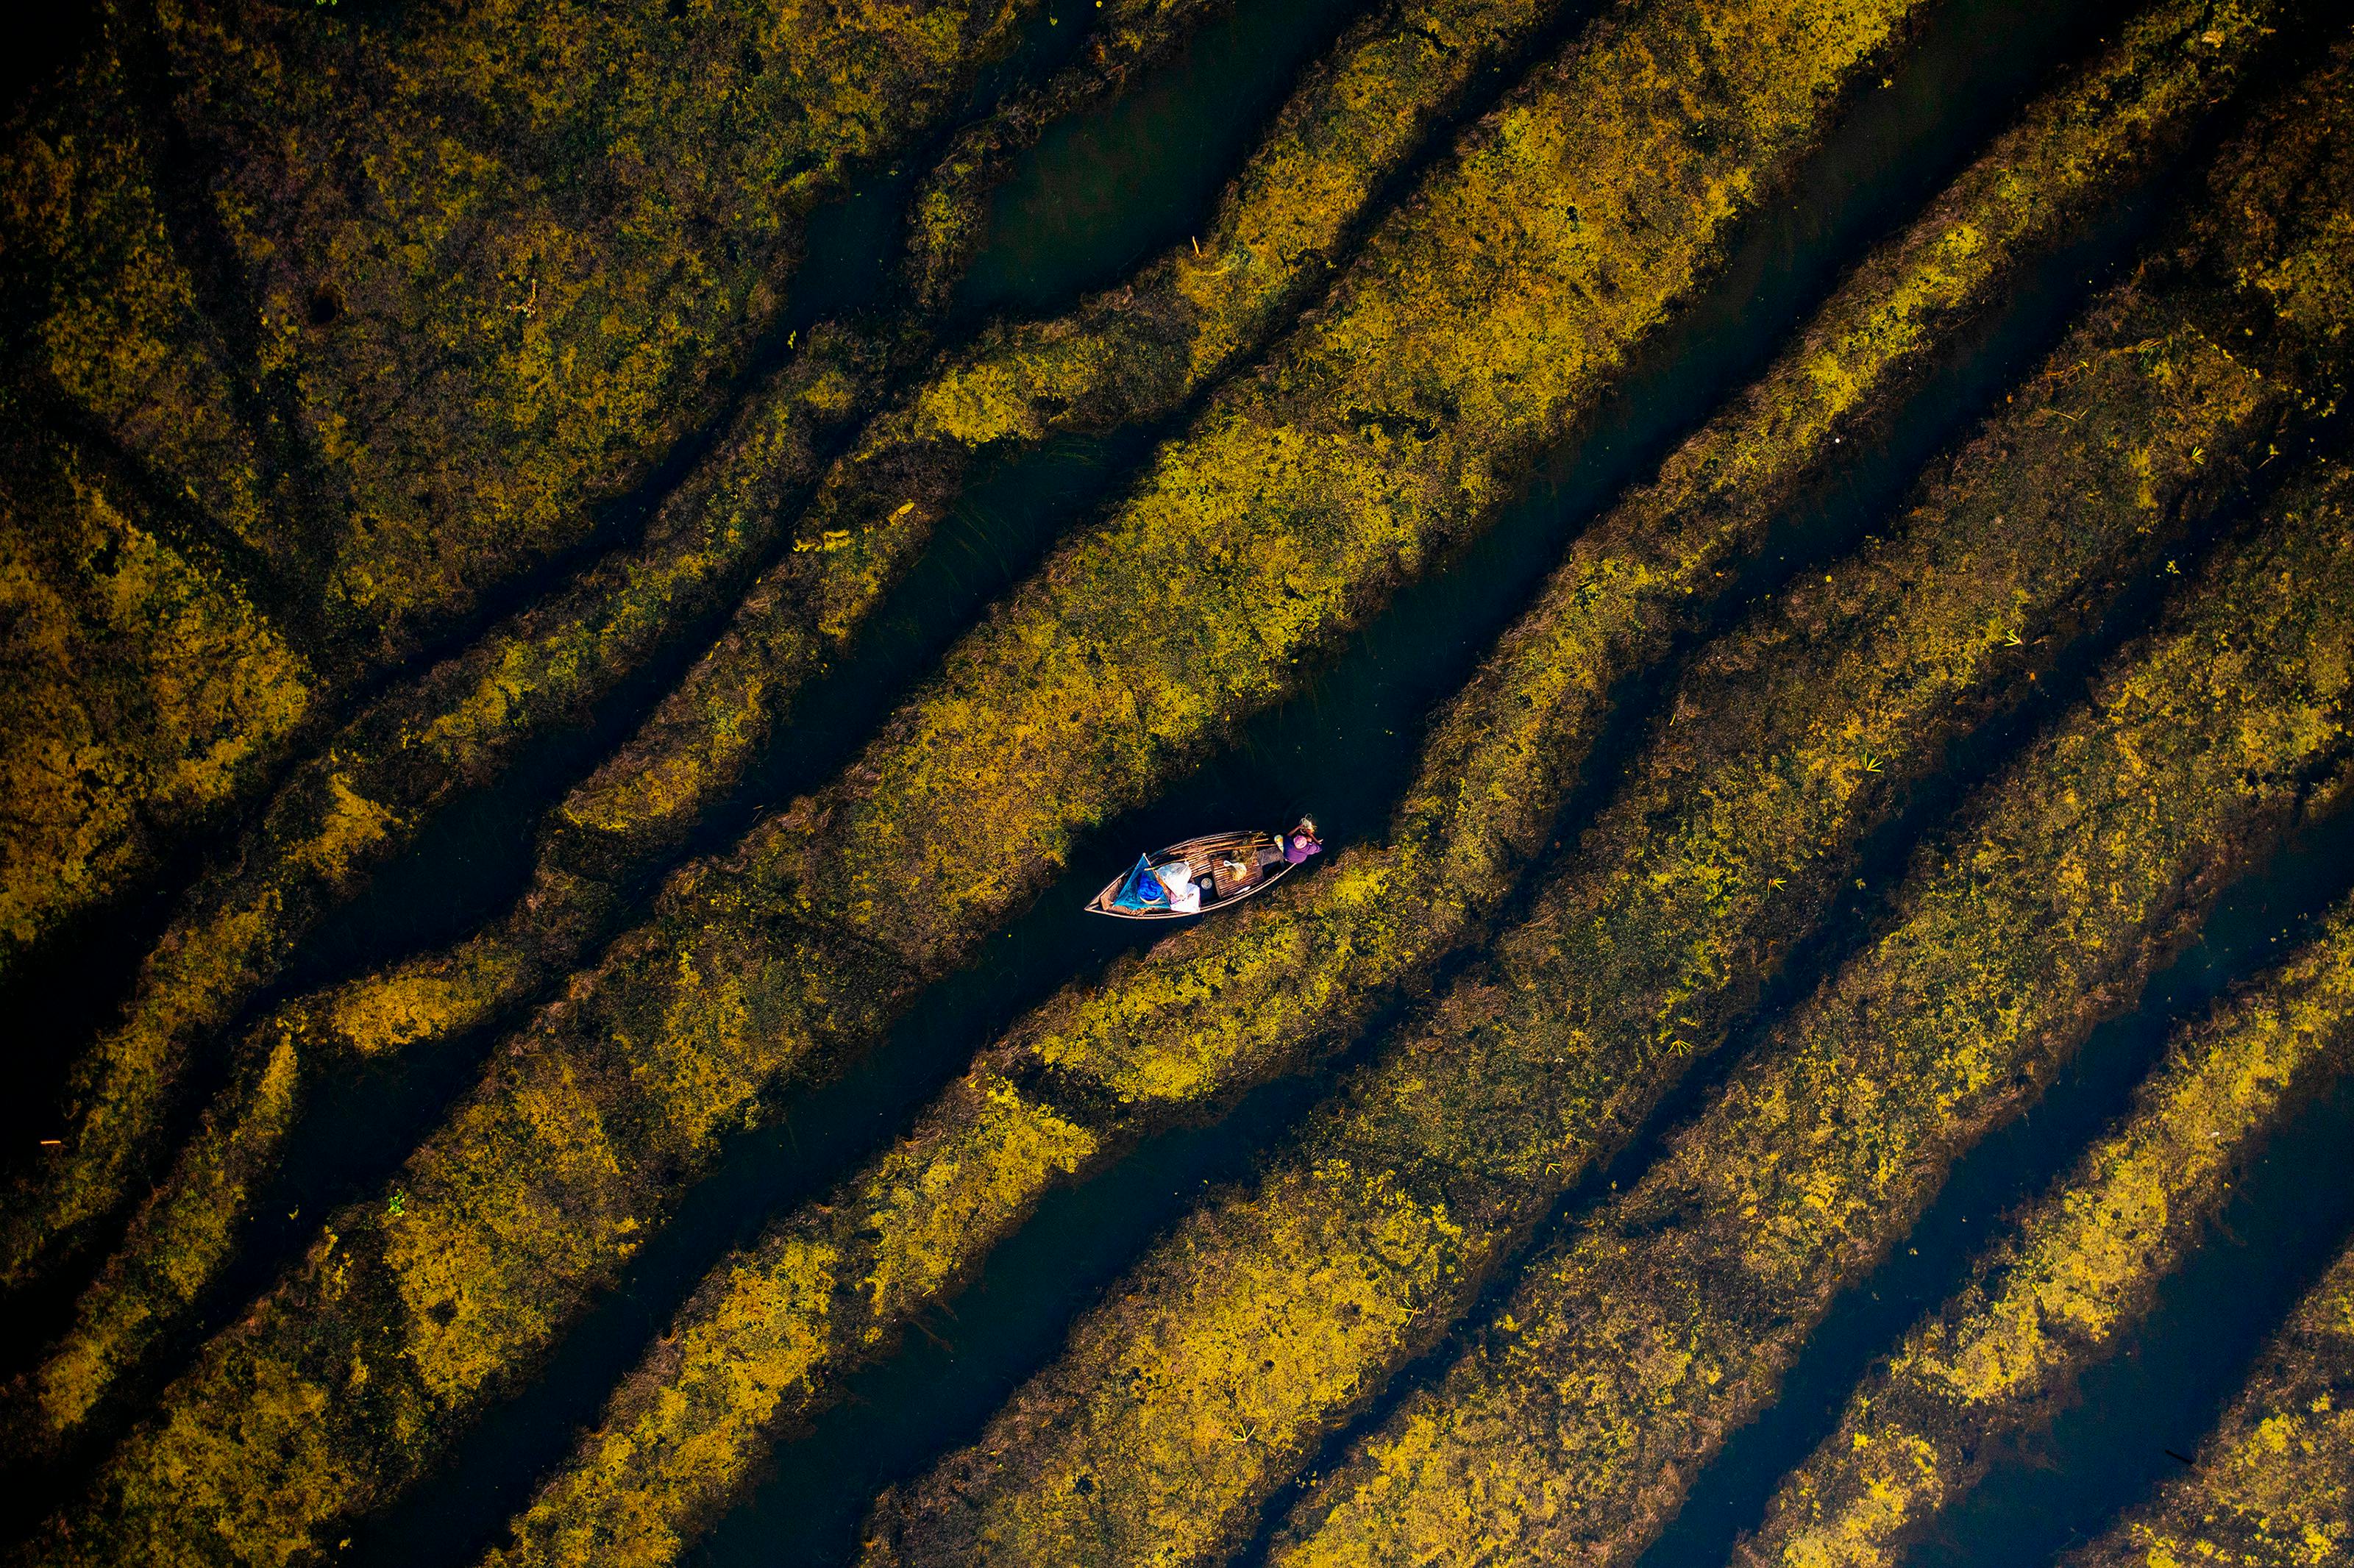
1294,847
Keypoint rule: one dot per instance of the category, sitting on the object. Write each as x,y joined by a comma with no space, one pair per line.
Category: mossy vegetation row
2273,1486
362,797
413,752
1137,352
2079,1269
1276,1312
1461,342
639,805
1298,971
500,261
148,684
143,691
700,742
1612,1371
383,310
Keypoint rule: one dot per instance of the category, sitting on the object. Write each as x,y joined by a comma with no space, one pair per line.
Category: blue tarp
1142,890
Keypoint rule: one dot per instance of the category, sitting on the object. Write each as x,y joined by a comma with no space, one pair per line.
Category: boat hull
1202,857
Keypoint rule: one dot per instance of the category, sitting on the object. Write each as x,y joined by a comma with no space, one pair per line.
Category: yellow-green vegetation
1613,1370
1136,353
390,308
1298,971
363,797
112,737
771,1329
1382,432
1387,427
501,260
140,689
2274,1484
1368,105
103,307
340,813
1358,117
1214,1370
2082,1266
454,360
879,503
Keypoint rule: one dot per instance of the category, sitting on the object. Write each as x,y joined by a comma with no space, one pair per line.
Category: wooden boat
1232,864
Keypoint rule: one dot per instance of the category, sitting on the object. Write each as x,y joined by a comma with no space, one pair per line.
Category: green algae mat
588,589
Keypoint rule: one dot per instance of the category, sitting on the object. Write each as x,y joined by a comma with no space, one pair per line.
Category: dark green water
2168,1381
1343,749
1102,192
1095,195
474,858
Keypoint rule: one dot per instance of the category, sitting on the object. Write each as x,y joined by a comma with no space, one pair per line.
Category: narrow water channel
475,856
362,1128
1342,748
2145,1408
2168,1383
1103,189
1102,192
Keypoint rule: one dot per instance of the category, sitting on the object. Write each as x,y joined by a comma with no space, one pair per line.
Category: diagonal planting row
1212,1374
378,312
1612,1372
2273,1486
1135,354
362,796
1295,973
1348,126
1382,432
2081,1268
949,215
365,796
156,670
